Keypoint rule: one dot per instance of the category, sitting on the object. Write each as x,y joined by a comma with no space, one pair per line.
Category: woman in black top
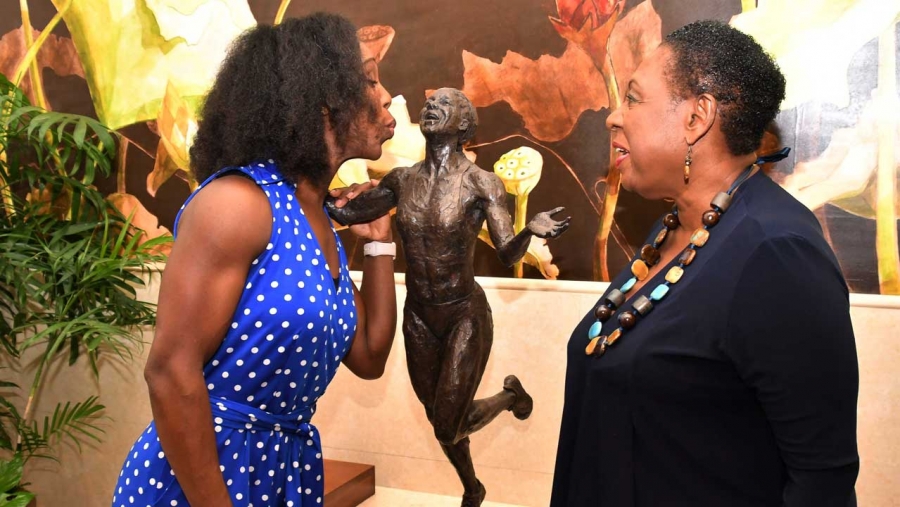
720,368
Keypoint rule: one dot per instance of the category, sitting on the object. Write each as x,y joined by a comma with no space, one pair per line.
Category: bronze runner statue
441,204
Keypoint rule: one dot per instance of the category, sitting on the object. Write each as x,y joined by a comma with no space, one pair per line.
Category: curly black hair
712,57
271,93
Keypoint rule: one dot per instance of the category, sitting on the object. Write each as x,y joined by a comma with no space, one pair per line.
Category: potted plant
69,266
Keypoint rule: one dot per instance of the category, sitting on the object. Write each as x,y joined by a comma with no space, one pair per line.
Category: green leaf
10,473
6,442
78,418
20,498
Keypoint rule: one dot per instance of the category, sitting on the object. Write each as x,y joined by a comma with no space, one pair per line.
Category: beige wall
381,422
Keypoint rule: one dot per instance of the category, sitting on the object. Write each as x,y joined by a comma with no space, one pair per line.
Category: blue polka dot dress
290,331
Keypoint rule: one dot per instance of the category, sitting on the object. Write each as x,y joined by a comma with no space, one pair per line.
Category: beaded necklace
640,268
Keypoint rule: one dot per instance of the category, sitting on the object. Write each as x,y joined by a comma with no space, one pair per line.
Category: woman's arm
376,304
221,231
791,339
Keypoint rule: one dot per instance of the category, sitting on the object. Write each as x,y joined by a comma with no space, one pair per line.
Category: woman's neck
705,182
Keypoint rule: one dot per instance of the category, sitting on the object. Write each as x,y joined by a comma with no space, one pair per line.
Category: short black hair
270,95
712,57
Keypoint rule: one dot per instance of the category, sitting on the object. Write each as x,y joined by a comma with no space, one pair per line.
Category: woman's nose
614,120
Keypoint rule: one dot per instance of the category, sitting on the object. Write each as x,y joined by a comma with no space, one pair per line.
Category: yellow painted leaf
814,40
132,49
844,174
163,169
538,254
350,172
406,147
177,126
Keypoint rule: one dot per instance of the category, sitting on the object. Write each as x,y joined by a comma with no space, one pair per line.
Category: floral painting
544,76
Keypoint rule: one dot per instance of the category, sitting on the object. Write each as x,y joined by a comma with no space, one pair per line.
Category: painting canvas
544,76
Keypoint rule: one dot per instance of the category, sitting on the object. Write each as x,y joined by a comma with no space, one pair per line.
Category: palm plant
68,264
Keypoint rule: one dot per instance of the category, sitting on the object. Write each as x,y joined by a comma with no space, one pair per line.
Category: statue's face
442,114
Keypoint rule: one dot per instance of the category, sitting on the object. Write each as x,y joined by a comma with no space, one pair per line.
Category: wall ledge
589,288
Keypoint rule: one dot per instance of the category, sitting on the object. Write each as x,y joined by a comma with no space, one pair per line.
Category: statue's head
449,112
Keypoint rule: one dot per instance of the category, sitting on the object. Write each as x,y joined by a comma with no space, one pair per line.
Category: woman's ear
700,117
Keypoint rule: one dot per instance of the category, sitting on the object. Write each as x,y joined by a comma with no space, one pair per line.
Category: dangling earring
687,164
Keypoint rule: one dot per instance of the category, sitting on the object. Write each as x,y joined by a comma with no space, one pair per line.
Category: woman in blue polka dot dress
256,308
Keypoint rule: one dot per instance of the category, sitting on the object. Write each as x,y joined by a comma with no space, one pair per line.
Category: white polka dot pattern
289,333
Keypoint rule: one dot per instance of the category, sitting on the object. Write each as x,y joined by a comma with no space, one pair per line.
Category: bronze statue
442,203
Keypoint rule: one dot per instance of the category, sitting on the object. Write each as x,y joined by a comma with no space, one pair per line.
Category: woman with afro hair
256,307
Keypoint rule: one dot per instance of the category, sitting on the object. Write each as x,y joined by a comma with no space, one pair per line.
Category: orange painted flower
576,13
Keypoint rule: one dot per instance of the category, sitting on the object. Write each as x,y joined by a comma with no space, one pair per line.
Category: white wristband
376,248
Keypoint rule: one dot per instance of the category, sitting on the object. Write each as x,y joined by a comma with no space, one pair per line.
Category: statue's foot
523,404
474,499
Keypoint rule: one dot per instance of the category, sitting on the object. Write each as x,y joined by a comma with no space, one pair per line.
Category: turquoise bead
595,330
627,286
659,292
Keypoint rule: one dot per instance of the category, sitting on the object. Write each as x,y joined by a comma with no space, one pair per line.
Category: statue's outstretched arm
512,247
369,205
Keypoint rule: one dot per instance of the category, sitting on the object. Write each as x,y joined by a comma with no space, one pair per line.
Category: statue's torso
438,218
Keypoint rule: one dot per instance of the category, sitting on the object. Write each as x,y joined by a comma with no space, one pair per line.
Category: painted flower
520,170
575,13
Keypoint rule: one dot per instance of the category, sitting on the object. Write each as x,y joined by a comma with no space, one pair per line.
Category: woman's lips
622,154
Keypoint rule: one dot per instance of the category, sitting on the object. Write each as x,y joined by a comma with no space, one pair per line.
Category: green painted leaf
130,49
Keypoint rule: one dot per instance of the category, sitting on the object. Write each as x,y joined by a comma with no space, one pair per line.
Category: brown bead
603,313
687,256
639,269
627,320
592,346
614,336
711,218
596,347
700,237
650,255
671,221
661,237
